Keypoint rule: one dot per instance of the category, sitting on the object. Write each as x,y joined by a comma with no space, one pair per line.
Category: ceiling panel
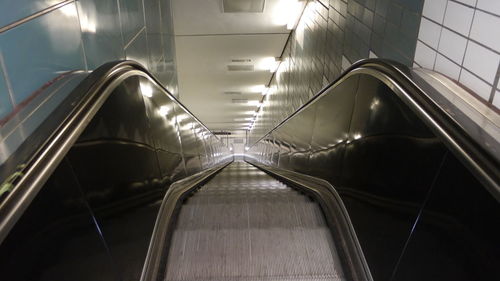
208,42
203,76
207,17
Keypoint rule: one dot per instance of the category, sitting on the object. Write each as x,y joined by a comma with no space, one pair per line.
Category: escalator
387,174
246,225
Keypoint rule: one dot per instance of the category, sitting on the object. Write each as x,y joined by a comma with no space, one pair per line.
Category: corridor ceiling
208,41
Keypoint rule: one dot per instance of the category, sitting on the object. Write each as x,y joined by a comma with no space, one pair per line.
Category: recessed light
269,63
254,102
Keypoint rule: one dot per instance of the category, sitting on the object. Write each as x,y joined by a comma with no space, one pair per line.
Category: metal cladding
417,208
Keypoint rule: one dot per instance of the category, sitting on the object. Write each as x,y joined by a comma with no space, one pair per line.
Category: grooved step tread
245,225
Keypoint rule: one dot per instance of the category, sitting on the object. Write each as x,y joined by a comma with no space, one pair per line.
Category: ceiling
207,40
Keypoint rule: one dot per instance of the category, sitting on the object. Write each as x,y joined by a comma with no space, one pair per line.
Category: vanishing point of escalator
246,225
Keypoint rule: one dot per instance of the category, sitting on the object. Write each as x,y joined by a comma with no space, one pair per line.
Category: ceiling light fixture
295,9
269,63
257,88
287,12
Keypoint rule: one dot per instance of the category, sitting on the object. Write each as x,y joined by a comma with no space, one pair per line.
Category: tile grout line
467,45
148,51
455,63
7,80
461,35
475,8
81,36
495,83
121,28
440,34
133,38
34,16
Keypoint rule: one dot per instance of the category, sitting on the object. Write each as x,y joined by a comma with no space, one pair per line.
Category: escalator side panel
457,235
115,161
122,145
385,162
57,238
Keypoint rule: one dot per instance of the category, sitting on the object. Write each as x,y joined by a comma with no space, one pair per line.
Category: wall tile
42,49
475,84
137,50
452,45
154,30
434,9
482,30
382,7
496,99
5,104
410,24
447,67
425,56
481,61
471,3
394,13
14,10
415,6
101,33
458,17
132,18
492,6
429,33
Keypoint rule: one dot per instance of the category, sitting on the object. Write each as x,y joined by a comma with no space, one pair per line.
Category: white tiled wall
461,39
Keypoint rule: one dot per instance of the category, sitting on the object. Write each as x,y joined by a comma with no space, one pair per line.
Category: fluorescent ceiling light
69,10
269,63
257,88
146,89
254,102
265,91
287,12
181,117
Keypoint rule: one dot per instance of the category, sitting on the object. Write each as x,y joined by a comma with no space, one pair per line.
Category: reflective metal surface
245,225
94,217
412,189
